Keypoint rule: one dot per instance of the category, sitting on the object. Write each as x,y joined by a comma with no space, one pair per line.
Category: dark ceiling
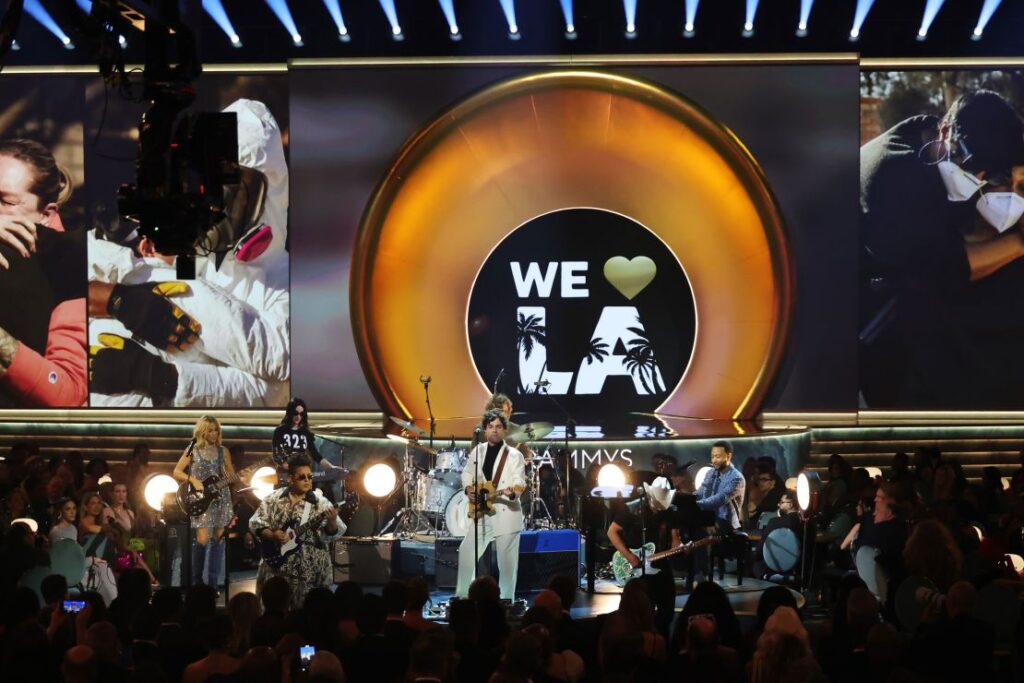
890,30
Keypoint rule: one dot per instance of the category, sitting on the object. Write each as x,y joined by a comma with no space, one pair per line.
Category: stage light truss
215,8
334,9
35,10
931,9
284,15
859,15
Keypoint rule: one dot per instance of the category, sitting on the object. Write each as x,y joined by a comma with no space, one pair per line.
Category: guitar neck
685,548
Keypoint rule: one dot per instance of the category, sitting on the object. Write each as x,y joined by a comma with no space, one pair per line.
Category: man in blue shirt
722,490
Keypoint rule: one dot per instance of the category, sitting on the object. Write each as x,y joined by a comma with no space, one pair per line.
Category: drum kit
436,505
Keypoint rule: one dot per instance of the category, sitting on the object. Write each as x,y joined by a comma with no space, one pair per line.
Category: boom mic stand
425,379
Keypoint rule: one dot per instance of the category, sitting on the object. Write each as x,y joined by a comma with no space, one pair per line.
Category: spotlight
808,491
805,16
1018,563
27,521
284,15
215,8
702,474
448,8
392,14
334,9
263,482
570,23
987,10
36,10
15,46
748,24
105,479
874,472
611,475
859,15
629,9
156,487
380,480
122,41
691,18
931,9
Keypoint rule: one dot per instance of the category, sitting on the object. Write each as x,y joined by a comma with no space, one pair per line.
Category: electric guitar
194,503
624,571
486,496
275,553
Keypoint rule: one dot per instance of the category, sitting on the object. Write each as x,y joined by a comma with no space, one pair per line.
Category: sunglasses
304,477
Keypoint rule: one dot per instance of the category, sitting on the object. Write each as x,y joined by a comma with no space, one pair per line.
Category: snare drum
453,460
436,488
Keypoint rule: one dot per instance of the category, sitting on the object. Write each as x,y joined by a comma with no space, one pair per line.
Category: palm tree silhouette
529,331
596,350
640,361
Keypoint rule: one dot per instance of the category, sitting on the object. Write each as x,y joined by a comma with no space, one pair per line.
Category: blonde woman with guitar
493,479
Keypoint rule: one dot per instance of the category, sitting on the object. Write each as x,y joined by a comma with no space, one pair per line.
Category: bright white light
702,473
343,31
921,33
1018,563
802,26
236,41
379,480
66,41
987,10
611,475
122,41
859,15
808,484
979,532
931,9
689,27
567,14
977,31
514,28
630,28
508,8
570,28
105,479
263,482
749,26
454,29
396,30
854,34
297,39
156,488
874,472
27,521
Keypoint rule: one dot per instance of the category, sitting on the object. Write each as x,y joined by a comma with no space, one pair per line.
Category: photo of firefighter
221,339
941,275
42,245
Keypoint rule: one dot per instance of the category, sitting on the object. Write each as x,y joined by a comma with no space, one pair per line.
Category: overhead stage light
215,8
39,13
508,8
448,8
334,9
629,9
987,10
689,28
805,17
570,22
156,487
380,480
748,24
392,14
859,15
284,15
808,491
931,9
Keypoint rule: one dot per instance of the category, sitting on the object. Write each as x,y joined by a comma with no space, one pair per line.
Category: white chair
873,575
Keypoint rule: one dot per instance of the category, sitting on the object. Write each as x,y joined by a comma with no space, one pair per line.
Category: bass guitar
194,502
624,571
486,496
275,553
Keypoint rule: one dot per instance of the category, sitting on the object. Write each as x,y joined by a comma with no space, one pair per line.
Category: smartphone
74,605
306,653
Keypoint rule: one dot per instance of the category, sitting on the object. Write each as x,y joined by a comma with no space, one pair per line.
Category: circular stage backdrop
576,234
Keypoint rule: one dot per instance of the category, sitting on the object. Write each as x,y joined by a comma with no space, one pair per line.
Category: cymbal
407,426
531,431
412,443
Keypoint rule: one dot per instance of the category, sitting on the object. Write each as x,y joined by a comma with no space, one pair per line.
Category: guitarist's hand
280,536
633,560
471,494
331,514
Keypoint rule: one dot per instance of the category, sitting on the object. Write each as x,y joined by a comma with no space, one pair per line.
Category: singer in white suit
494,460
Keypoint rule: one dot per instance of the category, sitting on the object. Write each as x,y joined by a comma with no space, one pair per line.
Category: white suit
243,356
503,527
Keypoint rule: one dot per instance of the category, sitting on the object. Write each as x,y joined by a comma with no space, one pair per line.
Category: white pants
507,546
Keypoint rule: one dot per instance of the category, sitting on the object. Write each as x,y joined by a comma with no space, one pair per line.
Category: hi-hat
531,431
407,426
412,443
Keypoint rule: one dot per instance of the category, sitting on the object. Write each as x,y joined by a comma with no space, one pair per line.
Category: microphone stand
477,518
433,423
570,433
186,570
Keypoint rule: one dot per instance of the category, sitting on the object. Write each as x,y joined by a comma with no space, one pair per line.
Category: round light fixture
263,482
611,475
380,480
808,488
27,521
156,487
702,473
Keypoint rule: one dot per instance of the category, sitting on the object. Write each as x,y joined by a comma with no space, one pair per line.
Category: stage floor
603,600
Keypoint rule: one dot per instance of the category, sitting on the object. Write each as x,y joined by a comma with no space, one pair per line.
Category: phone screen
74,605
305,654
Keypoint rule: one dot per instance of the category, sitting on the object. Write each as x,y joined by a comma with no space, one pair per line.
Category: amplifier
367,561
542,555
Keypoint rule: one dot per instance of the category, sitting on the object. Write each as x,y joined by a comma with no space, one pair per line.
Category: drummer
504,404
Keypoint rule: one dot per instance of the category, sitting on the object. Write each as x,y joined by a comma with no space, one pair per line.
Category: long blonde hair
204,426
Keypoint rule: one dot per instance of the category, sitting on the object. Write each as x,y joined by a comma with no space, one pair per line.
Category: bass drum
435,489
456,514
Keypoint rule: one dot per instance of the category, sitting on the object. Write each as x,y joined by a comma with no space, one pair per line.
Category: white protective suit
243,356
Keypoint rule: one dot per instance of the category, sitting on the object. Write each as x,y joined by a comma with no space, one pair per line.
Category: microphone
542,383
425,379
501,373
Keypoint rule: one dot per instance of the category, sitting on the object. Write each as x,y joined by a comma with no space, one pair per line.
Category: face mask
960,185
1001,210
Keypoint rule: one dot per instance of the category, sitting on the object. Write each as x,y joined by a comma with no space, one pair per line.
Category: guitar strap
502,457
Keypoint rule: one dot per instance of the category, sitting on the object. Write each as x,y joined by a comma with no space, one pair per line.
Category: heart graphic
629,276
